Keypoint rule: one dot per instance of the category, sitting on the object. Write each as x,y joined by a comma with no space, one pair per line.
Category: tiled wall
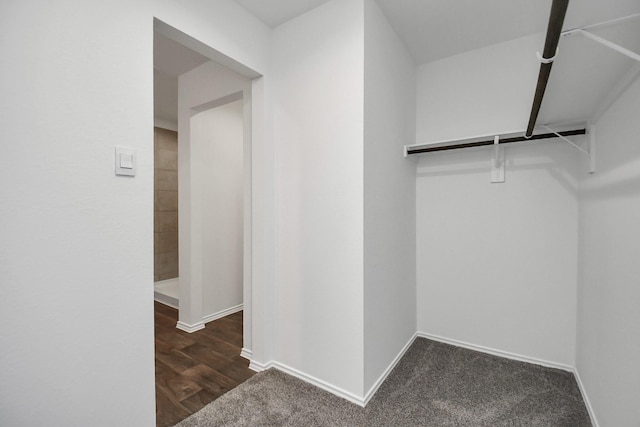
165,237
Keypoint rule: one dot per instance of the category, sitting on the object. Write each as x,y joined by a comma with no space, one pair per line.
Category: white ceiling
585,73
435,29
276,12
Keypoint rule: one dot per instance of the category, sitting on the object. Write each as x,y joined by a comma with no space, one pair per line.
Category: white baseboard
337,391
246,353
259,367
210,318
362,401
190,328
320,384
500,353
521,358
221,314
583,391
374,388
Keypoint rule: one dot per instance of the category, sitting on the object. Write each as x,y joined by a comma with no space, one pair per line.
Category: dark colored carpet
434,384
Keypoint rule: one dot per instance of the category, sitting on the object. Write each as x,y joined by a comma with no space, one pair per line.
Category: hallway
194,369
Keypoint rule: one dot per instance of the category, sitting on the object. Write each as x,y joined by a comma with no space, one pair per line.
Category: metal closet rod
554,30
492,142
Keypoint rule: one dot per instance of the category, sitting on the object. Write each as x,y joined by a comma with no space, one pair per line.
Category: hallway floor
195,369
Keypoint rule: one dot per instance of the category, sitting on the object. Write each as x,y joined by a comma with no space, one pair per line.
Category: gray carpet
434,384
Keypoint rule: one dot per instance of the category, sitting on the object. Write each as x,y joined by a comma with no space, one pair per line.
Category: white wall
202,88
259,273
76,261
318,115
608,348
496,263
485,91
389,196
218,133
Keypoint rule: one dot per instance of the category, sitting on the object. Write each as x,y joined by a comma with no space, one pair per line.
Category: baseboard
500,353
521,358
190,328
221,314
259,367
319,383
583,391
246,353
210,318
374,388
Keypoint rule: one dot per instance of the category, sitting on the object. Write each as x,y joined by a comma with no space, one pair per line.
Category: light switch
125,161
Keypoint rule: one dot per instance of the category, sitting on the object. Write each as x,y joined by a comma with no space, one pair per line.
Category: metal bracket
583,31
611,45
497,161
590,152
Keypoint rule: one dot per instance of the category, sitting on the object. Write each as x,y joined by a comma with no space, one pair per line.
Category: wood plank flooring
192,370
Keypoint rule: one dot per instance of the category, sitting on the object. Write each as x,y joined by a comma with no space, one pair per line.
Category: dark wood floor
194,369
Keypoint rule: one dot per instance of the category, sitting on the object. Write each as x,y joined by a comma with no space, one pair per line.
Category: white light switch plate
125,161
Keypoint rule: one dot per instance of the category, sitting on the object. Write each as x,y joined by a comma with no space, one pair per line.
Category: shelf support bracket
590,152
583,31
611,45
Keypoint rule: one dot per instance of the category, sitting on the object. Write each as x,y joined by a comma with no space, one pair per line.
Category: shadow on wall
625,183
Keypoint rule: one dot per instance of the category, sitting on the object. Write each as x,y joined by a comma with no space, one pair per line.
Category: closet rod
418,150
554,29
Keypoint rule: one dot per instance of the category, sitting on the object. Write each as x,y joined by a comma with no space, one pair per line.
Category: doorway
196,364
